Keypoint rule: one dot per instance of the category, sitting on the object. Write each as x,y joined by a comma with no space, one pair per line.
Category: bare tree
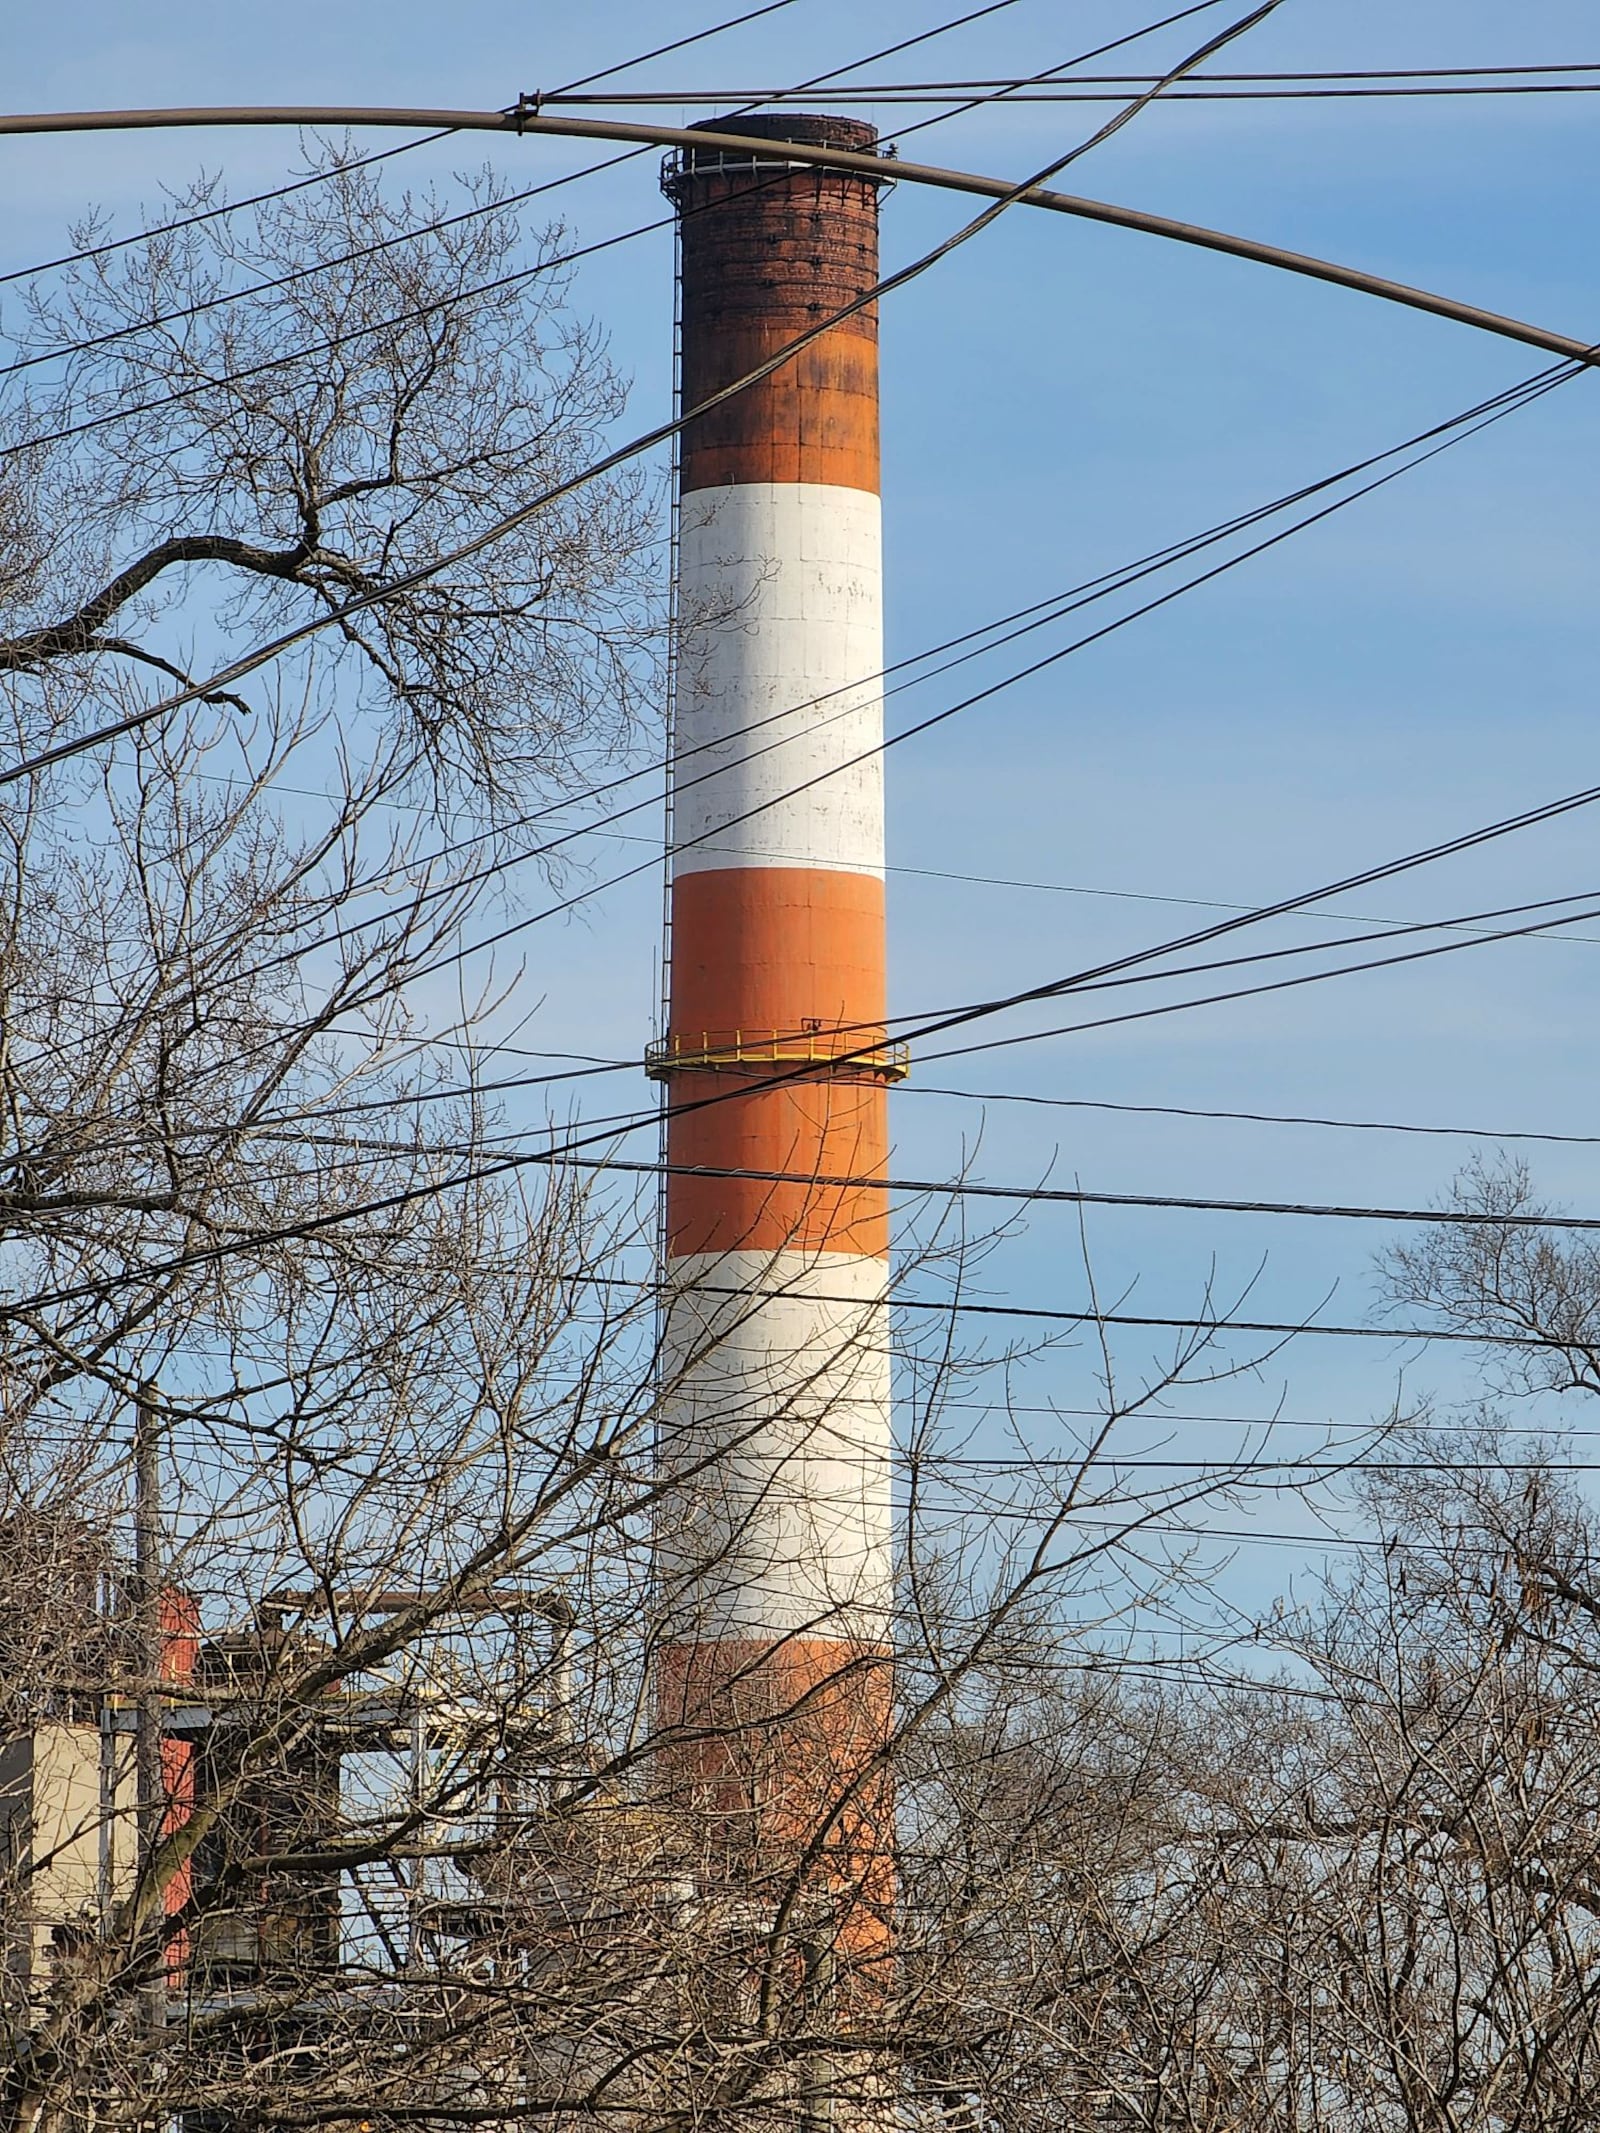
411,1866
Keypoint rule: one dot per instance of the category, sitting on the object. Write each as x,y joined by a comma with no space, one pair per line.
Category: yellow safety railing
849,1051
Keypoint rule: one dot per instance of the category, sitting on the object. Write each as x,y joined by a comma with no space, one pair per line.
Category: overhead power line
382,155
407,581
1293,1471
1503,405
1058,987
1474,937
1200,87
1472,926
1253,1118
1001,1407
227,297
1247,992
678,44
1279,1331
214,214
1065,1196
1276,1329
588,1067
1018,624
1350,74
607,1131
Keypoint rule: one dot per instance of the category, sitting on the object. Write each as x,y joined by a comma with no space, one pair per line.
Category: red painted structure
774,1669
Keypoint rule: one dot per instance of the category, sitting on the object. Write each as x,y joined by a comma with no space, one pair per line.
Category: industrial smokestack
774,1550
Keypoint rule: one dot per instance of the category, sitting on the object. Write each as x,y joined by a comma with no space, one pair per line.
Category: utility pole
775,1584
149,1580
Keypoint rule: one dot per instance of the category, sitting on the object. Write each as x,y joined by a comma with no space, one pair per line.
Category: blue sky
1059,398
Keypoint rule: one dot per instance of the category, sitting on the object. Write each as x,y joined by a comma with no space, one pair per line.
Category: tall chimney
775,1583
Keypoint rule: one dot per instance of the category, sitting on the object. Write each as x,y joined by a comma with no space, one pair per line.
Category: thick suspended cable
957,1308
520,119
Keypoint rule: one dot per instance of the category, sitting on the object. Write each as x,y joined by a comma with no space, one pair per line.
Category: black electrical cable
959,1308
1518,397
1073,986
213,214
209,304
511,200
1471,926
1476,936
275,647
322,177
1253,1118
1277,1329
1263,96
1022,622
1143,81
1074,1196
1025,1463
678,44
1110,88
1501,1136
1001,1407
1502,406
608,1130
